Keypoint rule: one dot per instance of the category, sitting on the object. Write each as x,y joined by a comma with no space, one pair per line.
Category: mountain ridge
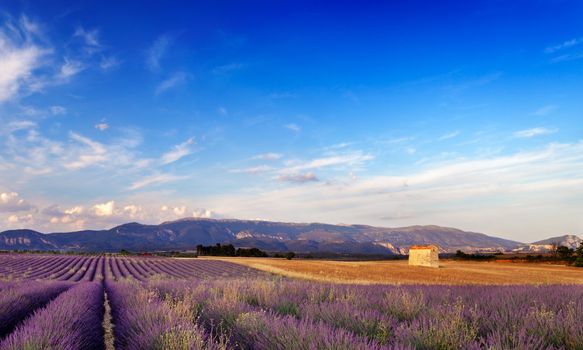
185,234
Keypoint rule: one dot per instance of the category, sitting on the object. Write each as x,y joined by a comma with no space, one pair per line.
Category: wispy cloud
534,132
568,57
70,68
109,63
545,110
157,51
222,110
398,140
268,156
106,213
564,45
253,170
156,179
20,56
175,80
102,126
178,151
448,136
91,154
506,186
293,127
298,178
90,39
11,202
19,125
345,159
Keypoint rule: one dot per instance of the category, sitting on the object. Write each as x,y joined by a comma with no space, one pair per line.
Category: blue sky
459,114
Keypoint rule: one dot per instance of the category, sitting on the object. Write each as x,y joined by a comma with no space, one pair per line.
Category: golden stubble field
398,272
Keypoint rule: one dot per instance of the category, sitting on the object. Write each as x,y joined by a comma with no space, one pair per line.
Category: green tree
564,253
579,260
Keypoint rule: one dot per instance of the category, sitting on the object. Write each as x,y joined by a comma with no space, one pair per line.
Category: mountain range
186,234
569,241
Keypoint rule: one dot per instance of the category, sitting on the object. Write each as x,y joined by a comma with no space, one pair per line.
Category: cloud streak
178,152
539,131
298,178
175,80
157,51
564,45
156,179
20,57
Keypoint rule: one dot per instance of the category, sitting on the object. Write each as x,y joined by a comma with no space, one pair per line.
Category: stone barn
424,255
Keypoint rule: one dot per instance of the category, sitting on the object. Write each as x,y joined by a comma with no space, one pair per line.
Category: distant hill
185,234
546,245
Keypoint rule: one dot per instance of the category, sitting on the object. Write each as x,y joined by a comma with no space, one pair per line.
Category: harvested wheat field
398,272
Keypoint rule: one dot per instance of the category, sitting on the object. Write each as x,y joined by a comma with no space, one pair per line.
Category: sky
466,114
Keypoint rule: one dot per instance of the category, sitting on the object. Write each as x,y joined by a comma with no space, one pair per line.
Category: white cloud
104,209
253,170
545,110
156,179
70,68
564,45
175,80
77,210
346,159
99,215
11,202
222,110
399,140
546,182
102,126
93,153
268,156
108,63
293,127
182,211
203,213
298,178
157,51
30,153
90,39
132,210
527,133
20,125
179,211
20,57
178,151
568,57
18,220
448,135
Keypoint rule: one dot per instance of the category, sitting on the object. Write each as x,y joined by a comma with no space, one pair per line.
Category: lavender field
61,302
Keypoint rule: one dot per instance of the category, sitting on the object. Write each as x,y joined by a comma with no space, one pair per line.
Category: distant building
424,255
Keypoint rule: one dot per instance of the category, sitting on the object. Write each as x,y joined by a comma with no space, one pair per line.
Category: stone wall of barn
424,257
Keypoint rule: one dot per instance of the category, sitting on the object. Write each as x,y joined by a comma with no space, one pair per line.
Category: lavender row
20,300
217,306
143,321
71,321
93,268
519,317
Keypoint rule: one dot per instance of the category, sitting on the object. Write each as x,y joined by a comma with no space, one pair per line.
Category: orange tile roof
422,247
